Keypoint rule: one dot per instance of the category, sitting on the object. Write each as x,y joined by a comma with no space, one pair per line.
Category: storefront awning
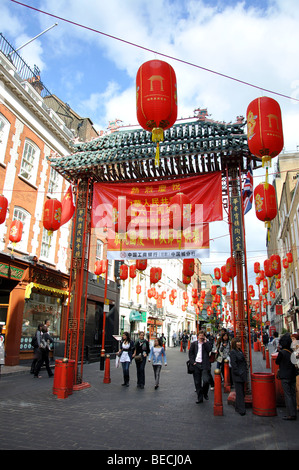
135,315
43,288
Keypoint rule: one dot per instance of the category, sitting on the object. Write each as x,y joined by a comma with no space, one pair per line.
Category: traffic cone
267,359
226,385
218,406
107,378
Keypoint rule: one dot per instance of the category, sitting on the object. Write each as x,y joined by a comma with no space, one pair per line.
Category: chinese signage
149,216
237,226
79,232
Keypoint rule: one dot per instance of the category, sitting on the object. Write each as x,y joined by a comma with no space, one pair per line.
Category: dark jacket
141,348
287,370
206,349
238,365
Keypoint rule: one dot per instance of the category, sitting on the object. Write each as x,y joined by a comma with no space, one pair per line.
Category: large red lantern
155,275
98,268
265,202
217,273
132,271
3,208
264,128
289,257
15,231
268,268
141,264
257,267
52,215
156,99
231,267
224,276
188,267
275,264
186,280
123,272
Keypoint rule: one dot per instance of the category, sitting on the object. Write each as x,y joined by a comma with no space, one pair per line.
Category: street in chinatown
113,418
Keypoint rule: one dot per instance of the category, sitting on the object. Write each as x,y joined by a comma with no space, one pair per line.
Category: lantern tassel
157,157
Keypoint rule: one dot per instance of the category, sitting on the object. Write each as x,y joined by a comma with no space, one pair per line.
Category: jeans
140,372
201,381
157,370
289,390
126,367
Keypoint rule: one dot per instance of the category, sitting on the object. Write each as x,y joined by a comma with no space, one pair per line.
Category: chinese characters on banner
150,232
236,218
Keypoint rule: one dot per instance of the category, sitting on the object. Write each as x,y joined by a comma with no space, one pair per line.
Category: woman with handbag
125,354
140,354
156,353
287,374
223,350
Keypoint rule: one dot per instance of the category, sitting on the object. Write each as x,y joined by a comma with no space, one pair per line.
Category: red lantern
231,267
155,275
265,202
264,128
272,294
133,271
289,257
186,279
262,274
223,290
213,289
275,264
224,276
138,289
277,284
141,264
188,267
285,263
15,232
156,99
3,208
174,293
123,272
217,273
203,294
98,268
52,215
149,293
257,267
268,268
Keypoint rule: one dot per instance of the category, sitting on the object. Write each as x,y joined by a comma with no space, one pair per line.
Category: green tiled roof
188,148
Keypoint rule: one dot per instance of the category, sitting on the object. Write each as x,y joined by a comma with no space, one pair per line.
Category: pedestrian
185,338
287,375
174,339
275,342
44,341
222,353
199,357
125,354
239,374
193,337
295,360
35,345
265,339
47,324
140,354
163,341
156,353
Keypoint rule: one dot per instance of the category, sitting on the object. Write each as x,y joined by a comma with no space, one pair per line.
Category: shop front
154,328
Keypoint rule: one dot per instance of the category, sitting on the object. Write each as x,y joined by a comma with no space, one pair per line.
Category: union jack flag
248,190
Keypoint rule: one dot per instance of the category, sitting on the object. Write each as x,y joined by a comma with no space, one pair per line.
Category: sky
255,41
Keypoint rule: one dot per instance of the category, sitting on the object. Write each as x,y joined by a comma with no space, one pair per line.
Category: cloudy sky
255,41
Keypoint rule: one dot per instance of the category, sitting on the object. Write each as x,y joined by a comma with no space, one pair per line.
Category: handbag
138,358
190,367
117,359
212,357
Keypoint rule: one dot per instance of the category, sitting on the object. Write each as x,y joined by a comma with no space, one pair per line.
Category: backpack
34,342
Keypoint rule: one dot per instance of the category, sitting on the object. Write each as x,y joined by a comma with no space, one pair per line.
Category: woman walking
287,374
140,354
125,356
223,350
156,353
239,374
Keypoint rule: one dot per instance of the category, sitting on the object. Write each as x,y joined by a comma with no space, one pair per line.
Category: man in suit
199,356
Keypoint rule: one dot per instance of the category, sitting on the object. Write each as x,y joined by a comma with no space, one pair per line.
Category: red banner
142,214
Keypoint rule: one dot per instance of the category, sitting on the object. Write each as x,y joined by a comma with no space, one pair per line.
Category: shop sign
236,218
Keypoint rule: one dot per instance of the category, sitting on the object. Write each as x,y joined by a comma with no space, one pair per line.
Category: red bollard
63,377
226,385
107,378
263,394
218,406
263,351
267,359
181,350
188,343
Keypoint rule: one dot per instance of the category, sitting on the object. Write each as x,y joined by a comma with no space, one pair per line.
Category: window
24,216
4,131
99,253
29,163
53,181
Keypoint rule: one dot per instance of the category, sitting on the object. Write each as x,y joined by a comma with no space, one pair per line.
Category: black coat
206,349
238,365
287,370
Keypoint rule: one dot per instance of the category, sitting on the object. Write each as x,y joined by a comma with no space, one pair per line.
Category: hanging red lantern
257,267
149,293
262,274
231,267
141,264
285,263
272,294
123,272
3,208
155,275
15,231
265,202
186,279
217,273
133,271
156,99
138,289
224,276
264,128
289,257
98,268
174,293
265,283
223,290
203,294
52,215
188,267
268,268
275,264
213,289
277,284
184,308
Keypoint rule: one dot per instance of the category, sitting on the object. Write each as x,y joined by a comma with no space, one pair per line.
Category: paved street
111,417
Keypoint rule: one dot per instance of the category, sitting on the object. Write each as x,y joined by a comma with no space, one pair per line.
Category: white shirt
199,352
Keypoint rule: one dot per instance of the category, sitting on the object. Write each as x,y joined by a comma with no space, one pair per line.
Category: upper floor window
53,181
29,164
99,253
4,131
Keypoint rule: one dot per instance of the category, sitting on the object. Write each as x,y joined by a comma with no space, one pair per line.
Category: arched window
29,163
